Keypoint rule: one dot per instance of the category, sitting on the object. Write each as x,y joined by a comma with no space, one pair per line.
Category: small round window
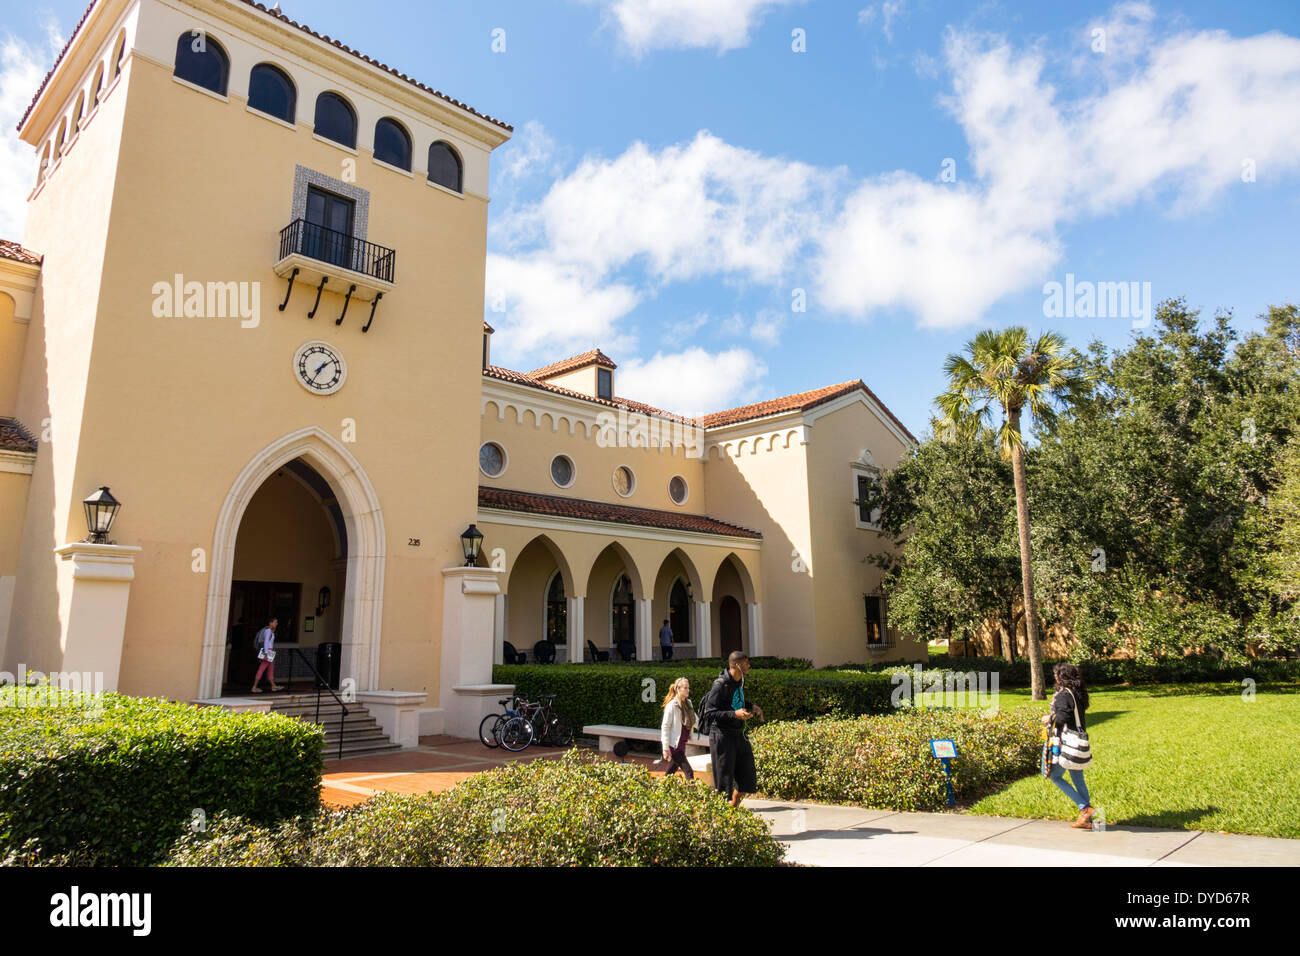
624,480
562,470
491,459
677,490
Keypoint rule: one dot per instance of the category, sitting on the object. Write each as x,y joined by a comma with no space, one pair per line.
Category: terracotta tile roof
520,378
572,364
561,507
14,437
803,401
11,250
305,29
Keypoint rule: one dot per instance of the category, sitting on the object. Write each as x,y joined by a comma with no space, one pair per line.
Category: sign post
945,750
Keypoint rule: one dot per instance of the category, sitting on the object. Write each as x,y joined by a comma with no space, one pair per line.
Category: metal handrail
337,248
321,684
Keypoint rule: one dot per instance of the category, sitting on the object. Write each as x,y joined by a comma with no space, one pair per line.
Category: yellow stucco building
249,302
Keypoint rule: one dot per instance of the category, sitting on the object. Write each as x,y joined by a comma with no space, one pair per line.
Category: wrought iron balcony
337,249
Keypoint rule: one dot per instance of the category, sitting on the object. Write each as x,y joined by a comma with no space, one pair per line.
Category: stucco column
94,582
573,635
703,629
468,628
499,630
755,628
646,632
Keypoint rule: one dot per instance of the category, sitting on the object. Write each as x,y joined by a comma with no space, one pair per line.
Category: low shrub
886,762
112,780
575,811
1193,668
633,695
717,663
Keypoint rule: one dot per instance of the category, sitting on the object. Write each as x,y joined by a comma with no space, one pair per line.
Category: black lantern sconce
101,509
322,601
471,542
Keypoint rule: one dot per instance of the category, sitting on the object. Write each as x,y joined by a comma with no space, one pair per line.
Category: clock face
319,368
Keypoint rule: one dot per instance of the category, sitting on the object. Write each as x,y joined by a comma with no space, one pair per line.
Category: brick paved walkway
438,764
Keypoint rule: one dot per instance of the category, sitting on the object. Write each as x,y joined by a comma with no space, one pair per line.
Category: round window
491,459
562,470
624,480
677,489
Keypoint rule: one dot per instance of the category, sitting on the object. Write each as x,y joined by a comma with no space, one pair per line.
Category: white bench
610,734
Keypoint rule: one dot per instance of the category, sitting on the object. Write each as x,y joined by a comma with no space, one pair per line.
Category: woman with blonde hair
679,720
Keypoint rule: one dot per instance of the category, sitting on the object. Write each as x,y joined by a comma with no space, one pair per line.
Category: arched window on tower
336,120
445,167
270,91
392,144
202,61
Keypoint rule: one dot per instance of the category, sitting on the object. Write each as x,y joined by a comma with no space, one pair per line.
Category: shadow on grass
1170,819
1210,690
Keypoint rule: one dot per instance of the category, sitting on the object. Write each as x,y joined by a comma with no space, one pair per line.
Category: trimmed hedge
633,695
575,811
1192,669
886,762
113,780
717,663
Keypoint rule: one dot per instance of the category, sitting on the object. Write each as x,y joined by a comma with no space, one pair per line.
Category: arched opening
335,120
96,85
614,593
445,167
622,613
77,111
290,564
392,143
729,626
361,537
202,61
679,612
537,599
119,54
270,91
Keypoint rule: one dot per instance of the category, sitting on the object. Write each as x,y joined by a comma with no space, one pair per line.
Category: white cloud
687,24
693,382
544,309
699,209
764,326
21,72
888,11
1160,120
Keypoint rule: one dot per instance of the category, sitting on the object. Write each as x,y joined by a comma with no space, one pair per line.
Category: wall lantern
322,601
471,541
101,508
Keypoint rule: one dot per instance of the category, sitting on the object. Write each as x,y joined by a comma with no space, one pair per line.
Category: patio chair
512,656
544,652
627,650
596,655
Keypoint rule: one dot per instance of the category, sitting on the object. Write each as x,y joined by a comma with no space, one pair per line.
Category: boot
1085,819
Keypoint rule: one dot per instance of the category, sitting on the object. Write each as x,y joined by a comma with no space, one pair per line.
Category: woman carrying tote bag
1070,749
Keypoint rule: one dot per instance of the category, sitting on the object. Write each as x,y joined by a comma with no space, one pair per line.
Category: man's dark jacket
716,713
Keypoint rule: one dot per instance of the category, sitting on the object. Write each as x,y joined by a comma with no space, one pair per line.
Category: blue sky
679,172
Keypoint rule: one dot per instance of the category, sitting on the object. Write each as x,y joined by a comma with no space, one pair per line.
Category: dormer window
604,383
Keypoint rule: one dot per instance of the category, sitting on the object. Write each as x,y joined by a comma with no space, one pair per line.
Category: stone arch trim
561,563
742,572
363,599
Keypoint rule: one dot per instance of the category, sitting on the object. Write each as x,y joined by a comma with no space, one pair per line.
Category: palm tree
1008,371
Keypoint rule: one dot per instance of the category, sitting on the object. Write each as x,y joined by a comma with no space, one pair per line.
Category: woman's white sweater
670,731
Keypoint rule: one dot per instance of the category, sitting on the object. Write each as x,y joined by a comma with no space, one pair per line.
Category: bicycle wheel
488,728
516,734
561,732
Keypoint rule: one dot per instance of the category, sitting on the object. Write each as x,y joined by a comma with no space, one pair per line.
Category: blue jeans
1078,793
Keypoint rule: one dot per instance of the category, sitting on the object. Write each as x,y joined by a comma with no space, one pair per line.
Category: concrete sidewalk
822,835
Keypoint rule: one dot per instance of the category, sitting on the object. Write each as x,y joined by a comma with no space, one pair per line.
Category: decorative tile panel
304,177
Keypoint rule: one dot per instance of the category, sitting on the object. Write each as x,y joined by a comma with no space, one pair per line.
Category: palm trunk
1026,568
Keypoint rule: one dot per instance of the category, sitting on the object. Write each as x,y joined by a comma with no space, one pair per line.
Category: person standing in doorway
675,730
265,644
723,715
666,642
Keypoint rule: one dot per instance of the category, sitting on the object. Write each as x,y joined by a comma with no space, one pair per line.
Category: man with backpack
722,717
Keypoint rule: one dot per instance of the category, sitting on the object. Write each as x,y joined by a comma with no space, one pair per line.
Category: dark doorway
679,613
622,625
252,604
557,612
328,232
729,625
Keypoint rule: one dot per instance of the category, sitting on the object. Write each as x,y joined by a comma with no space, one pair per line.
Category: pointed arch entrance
363,527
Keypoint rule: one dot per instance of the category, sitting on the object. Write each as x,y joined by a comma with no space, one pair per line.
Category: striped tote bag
1076,749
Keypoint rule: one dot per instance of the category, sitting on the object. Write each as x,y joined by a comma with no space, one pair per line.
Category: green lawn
1194,757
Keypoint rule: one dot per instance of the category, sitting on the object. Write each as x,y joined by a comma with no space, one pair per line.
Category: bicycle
511,730
549,728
